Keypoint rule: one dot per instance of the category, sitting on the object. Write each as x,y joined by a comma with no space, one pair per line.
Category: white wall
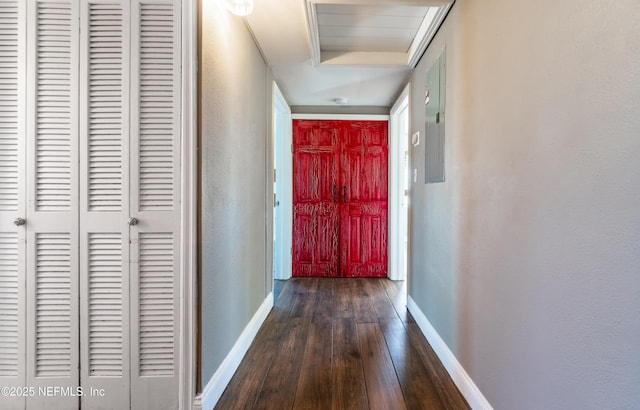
527,259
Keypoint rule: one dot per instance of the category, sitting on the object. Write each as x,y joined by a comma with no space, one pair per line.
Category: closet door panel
12,198
155,203
104,204
52,203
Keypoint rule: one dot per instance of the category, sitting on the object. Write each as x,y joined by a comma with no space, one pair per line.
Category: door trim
395,187
281,147
340,117
189,175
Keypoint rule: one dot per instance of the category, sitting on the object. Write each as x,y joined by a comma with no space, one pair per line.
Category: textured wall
234,105
527,259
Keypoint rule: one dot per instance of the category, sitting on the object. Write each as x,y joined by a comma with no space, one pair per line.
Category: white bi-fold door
89,161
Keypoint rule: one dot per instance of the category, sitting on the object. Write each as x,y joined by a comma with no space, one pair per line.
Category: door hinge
274,175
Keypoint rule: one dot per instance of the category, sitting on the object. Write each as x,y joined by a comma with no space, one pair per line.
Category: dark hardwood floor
340,344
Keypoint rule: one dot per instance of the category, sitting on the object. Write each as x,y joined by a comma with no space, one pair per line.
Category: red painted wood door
316,162
363,213
340,198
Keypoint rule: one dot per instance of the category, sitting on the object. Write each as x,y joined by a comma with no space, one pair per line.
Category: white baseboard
465,384
221,378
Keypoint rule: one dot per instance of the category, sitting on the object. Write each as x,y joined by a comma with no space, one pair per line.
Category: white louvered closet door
104,204
52,357
12,198
89,139
155,202
130,187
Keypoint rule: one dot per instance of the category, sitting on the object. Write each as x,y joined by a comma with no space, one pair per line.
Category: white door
104,204
155,203
52,349
89,145
12,199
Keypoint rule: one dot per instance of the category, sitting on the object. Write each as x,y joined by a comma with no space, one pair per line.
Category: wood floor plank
450,396
348,383
383,387
397,293
418,388
249,377
282,306
314,387
362,300
323,301
380,300
343,299
279,387
300,306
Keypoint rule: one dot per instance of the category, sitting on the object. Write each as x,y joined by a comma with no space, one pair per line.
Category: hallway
340,343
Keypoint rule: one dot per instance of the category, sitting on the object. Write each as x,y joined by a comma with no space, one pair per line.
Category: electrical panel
435,120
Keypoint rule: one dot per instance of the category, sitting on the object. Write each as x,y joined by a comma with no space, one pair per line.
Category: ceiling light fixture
240,7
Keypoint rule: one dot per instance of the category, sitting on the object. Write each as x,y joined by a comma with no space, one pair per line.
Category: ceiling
358,50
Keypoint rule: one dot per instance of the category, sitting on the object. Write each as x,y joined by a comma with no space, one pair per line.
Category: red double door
340,198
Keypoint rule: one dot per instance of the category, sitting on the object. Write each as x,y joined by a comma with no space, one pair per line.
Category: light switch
415,175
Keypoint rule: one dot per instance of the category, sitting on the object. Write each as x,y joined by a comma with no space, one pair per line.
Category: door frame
349,117
188,349
396,146
283,214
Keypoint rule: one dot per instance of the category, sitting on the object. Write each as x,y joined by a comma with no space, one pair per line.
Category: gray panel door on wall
435,120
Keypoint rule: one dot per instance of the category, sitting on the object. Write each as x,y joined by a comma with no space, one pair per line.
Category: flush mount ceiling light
240,7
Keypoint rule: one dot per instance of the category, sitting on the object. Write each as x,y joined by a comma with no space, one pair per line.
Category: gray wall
235,108
527,259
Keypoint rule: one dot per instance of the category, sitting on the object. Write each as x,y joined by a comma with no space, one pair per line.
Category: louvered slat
156,304
53,304
105,304
9,304
8,105
157,102
53,106
105,107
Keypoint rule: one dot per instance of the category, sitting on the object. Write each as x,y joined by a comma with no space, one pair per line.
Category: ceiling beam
424,36
367,58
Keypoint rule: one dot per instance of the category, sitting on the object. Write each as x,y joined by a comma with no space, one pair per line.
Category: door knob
133,221
19,221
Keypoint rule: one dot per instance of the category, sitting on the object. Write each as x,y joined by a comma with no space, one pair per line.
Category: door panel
364,167
104,184
315,187
12,199
52,202
340,198
155,203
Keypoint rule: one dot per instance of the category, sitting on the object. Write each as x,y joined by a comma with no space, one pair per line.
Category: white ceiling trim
427,30
312,29
425,35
